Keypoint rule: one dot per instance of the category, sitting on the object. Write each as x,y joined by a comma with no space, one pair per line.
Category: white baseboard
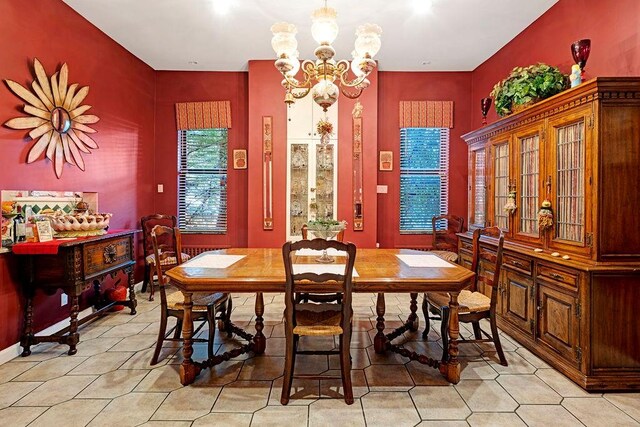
15,350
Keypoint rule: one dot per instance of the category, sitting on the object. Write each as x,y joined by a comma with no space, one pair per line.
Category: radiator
193,250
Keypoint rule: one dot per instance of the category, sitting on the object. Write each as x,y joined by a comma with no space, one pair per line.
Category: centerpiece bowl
326,229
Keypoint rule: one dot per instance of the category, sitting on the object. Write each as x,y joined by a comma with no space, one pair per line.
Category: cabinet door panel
478,202
569,158
517,302
558,322
499,189
529,173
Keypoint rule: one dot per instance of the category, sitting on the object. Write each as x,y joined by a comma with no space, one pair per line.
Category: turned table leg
74,337
380,340
451,369
132,292
413,321
27,333
188,370
259,340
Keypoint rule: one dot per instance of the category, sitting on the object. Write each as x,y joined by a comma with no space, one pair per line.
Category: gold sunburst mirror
57,121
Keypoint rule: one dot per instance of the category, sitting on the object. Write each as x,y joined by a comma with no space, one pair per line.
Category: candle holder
485,104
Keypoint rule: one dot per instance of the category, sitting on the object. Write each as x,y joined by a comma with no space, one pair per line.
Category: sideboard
568,291
74,266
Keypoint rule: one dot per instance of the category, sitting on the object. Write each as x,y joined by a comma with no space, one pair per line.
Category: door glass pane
324,182
501,176
529,183
570,183
479,189
299,187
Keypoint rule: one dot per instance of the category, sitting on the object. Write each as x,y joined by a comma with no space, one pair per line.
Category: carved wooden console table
74,266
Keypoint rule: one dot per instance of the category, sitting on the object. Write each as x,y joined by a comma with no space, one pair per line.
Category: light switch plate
382,189
160,188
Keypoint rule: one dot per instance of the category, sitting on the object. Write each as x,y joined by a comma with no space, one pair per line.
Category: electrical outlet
64,299
160,188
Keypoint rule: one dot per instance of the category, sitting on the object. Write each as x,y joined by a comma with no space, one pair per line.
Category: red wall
612,26
173,87
122,95
404,86
266,97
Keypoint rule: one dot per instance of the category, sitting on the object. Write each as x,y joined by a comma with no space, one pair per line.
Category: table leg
451,369
74,337
380,340
132,292
259,340
188,370
413,321
27,333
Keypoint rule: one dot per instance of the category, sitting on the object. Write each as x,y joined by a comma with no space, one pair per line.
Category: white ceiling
456,35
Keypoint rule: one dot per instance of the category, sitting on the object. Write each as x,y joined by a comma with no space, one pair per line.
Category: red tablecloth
45,248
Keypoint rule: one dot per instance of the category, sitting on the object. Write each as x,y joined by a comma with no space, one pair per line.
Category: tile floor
109,382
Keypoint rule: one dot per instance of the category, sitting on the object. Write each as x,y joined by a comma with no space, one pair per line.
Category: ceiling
455,35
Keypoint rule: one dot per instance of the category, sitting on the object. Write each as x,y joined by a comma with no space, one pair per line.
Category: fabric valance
426,114
203,115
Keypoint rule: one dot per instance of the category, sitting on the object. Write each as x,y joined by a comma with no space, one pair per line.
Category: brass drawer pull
518,264
557,276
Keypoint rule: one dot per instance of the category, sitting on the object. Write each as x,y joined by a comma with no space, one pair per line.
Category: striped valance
426,114
203,115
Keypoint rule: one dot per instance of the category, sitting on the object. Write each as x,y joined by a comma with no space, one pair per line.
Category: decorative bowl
79,224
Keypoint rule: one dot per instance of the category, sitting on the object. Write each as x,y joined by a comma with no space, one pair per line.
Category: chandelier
320,76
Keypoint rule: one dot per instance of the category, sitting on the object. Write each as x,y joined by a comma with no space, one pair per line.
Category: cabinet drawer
106,254
523,265
567,278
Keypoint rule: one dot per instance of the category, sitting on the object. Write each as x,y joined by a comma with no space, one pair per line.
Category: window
424,184
202,180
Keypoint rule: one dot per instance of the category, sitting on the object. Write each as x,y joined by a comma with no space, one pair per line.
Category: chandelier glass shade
324,77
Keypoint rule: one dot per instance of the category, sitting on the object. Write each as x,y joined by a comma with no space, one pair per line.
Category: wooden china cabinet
568,293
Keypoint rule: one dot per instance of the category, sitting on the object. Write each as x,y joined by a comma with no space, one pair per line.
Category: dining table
380,271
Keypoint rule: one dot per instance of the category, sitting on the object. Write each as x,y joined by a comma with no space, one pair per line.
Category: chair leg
496,339
289,362
211,319
161,332
345,368
476,330
227,318
444,333
222,309
145,280
152,272
178,330
425,312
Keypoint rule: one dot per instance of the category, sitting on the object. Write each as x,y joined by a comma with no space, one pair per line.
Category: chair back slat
295,282
171,247
446,240
492,260
150,221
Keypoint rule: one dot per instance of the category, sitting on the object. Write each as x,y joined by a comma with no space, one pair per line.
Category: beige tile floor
109,382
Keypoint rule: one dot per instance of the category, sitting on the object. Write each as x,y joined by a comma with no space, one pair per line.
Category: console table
73,266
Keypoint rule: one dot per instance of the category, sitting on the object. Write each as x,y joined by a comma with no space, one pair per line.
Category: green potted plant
527,85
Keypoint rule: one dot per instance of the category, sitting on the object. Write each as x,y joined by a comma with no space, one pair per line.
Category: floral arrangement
326,224
526,85
325,127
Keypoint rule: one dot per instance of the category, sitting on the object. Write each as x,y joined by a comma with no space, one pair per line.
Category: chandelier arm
350,95
302,94
341,72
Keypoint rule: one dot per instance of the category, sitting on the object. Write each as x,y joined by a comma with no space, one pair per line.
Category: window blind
424,182
202,180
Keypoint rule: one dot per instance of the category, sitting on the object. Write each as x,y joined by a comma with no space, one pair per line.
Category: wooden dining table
378,271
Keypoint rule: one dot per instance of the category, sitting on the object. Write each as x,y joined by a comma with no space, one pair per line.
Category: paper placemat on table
321,268
426,260
213,261
312,252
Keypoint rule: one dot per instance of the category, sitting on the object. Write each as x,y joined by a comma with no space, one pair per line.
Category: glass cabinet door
478,189
528,184
501,182
568,155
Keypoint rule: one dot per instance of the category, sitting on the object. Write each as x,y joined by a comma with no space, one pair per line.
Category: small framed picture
45,231
239,159
386,160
